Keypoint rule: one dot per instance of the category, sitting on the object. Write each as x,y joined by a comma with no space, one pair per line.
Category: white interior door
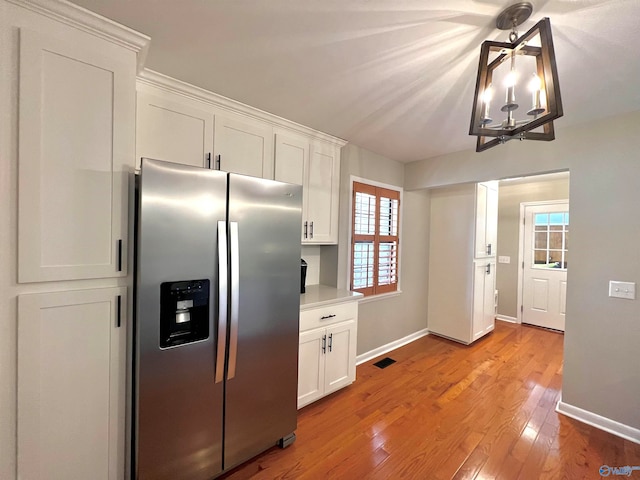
546,234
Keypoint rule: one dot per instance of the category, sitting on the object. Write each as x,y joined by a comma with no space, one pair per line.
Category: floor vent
385,362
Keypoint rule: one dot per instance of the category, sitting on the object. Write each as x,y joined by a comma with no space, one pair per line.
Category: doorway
544,263
512,194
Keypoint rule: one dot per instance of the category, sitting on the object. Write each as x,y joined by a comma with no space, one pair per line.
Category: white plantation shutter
375,239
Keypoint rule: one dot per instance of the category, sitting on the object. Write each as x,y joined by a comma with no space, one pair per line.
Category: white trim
523,205
507,318
376,352
396,188
381,296
173,85
603,423
92,23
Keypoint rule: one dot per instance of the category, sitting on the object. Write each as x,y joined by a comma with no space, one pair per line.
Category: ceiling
393,76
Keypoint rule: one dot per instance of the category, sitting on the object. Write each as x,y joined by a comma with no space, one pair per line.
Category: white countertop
319,295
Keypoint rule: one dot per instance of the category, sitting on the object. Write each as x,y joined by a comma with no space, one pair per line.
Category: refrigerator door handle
222,300
235,297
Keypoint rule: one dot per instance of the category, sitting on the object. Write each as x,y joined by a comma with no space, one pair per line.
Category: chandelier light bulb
510,83
535,85
487,96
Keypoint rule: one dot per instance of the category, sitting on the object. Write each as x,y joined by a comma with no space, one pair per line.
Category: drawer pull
326,316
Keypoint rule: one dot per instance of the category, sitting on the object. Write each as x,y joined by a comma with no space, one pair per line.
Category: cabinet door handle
330,341
324,344
209,160
120,255
305,229
219,162
489,249
488,269
324,317
311,229
118,311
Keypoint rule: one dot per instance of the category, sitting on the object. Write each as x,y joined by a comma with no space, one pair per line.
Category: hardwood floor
449,411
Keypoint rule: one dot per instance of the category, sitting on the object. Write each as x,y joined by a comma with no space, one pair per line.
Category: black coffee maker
303,275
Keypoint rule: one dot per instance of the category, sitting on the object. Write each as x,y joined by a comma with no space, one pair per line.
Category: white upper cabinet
316,166
323,193
486,219
184,124
243,145
76,147
174,131
291,159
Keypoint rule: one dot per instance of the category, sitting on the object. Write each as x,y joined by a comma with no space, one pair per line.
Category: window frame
393,191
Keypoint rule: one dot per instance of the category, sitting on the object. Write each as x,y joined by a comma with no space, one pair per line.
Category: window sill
382,296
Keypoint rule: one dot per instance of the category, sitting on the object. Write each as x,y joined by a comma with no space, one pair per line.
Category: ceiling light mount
524,68
514,16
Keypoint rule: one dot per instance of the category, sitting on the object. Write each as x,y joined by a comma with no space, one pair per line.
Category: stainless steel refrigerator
216,324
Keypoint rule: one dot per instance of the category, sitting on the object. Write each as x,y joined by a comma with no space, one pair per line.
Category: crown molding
170,84
92,23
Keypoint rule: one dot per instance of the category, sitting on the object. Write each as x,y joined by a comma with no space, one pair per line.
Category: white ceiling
392,76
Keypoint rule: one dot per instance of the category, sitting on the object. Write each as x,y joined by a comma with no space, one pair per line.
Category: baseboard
376,352
507,318
597,421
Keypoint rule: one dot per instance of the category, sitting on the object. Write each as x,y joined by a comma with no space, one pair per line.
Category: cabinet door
174,131
242,145
291,163
340,357
311,366
322,193
492,218
76,143
484,277
71,384
486,219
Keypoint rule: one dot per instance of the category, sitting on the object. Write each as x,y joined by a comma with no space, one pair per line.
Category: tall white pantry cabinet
462,261
67,89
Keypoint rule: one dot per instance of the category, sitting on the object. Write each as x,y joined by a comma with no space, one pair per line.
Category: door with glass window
546,248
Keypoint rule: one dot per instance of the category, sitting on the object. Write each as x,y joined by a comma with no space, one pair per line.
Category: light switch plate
504,259
622,289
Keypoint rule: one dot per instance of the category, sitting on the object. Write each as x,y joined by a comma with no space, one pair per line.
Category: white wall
384,320
602,354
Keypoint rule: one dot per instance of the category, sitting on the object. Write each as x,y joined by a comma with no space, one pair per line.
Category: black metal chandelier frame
549,109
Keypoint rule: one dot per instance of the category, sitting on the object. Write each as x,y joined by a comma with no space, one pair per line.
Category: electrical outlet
622,290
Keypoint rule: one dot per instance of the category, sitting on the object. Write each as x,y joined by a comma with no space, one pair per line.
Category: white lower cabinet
327,354
484,281
71,384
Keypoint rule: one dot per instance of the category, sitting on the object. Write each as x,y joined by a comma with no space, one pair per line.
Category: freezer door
262,375
178,405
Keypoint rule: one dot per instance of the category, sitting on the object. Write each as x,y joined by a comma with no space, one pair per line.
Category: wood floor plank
446,410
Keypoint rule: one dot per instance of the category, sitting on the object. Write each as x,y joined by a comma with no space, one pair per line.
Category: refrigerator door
178,411
261,381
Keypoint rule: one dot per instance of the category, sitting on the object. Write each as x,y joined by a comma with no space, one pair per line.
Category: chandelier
522,72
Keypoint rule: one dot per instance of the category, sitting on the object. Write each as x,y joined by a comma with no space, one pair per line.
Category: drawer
327,315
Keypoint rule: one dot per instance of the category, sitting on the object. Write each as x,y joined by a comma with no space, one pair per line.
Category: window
375,240
551,245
